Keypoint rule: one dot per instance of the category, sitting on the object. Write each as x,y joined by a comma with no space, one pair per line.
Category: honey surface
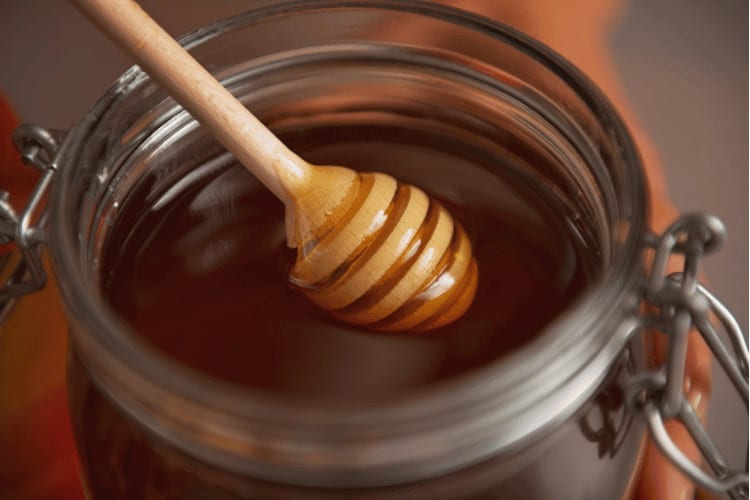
202,274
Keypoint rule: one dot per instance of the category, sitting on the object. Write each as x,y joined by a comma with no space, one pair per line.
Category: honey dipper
371,250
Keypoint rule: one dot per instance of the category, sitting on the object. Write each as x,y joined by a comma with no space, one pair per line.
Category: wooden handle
278,168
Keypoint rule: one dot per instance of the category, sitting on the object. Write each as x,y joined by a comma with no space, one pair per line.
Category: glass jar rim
404,423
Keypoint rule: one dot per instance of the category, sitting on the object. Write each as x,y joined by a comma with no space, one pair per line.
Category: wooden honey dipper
371,250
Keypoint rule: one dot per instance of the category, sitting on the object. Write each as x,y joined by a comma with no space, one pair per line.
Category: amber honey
201,273
198,268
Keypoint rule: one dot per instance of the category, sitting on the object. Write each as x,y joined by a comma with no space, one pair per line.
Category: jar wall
594,455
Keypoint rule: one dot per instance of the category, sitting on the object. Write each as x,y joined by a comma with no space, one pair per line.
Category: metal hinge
22,270
683,305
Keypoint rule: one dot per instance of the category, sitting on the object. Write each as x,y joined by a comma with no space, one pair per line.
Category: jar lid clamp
23,271
684,304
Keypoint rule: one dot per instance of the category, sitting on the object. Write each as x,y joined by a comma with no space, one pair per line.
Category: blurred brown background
684,64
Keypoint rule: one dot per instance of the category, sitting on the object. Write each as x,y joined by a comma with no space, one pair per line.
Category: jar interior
195,262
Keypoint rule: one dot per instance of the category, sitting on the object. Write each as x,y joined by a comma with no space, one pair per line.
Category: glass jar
548,421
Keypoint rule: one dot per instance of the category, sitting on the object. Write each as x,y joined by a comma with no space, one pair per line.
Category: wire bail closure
683,305
21,270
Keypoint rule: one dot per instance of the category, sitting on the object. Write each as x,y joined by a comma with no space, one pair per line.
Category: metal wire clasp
684,304
22,269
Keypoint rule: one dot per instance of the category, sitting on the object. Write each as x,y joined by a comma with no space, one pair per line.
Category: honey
200,272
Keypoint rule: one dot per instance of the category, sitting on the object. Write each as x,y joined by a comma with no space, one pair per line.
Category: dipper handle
236,128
